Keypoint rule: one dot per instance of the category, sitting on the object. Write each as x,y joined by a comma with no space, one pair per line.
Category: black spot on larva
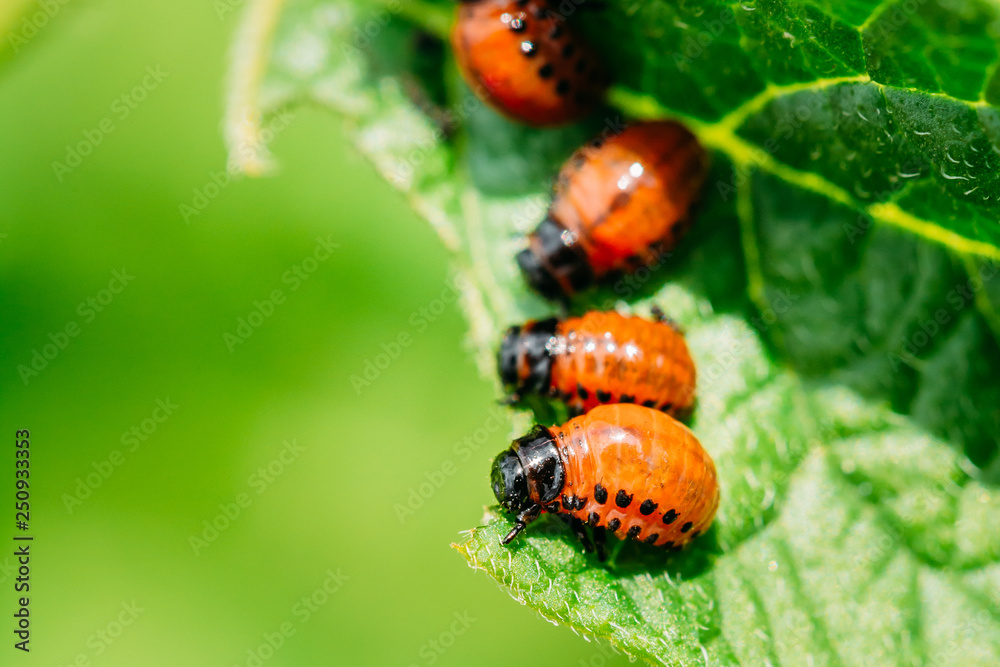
581,65
668,545
614,524
652,538
569,502
556,32
686,527
568,51
594,519
541,12
546,70
623,499
528,49
600,494
649,404
633,532
603,396
626,398
633,261
581,391
554,507
562,87
695,534
667,407
669,516
621,200
647,507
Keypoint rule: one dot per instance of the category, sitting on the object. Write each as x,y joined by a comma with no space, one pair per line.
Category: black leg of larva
580,531
662,318
600,542
523,519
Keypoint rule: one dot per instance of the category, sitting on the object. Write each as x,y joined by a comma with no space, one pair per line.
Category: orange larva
617,207
529,62
602,357
633,470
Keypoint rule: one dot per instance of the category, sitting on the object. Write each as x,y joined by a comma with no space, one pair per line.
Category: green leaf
16,27
835,222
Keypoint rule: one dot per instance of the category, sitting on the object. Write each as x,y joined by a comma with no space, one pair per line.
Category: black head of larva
555,265
510,485
527,477
524,361
507,358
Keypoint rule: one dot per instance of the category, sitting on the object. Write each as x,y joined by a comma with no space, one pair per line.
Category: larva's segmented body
637,472
616,208
600,358
633,470
529,62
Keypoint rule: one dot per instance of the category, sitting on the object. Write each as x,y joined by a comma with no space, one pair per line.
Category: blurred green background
124,553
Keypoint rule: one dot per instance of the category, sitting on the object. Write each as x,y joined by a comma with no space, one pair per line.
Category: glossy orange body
531,65
600,358
622,214
617,207
657,483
